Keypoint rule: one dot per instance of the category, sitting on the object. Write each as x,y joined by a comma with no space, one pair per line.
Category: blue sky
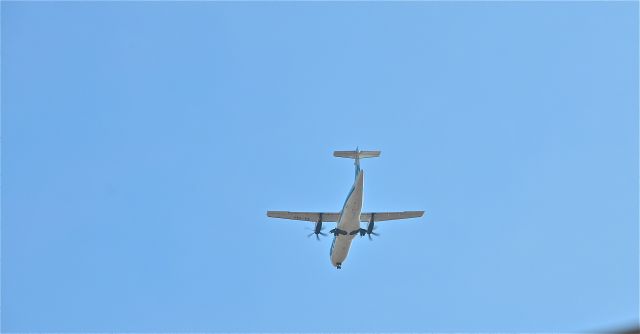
143,143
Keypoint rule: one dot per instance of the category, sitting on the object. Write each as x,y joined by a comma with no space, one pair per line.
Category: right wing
382,216
306,216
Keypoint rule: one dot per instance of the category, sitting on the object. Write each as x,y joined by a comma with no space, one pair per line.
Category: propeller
370,228
317,231
374,233
317,235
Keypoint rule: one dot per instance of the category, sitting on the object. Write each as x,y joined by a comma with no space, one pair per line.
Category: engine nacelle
370,227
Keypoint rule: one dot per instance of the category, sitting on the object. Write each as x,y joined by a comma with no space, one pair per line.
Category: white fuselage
349,221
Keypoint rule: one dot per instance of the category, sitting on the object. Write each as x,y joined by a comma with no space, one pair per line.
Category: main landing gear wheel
339,265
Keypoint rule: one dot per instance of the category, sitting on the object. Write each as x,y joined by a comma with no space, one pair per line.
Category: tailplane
356,155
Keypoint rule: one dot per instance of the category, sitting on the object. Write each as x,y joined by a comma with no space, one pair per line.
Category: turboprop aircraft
349,218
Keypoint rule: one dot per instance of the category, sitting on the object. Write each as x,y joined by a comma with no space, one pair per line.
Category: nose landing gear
338,265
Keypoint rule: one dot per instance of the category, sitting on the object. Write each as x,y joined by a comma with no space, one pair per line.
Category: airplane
349,218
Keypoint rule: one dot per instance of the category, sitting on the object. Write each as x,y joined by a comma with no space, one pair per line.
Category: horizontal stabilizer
356,154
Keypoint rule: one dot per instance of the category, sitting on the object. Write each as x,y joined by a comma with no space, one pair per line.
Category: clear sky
143,142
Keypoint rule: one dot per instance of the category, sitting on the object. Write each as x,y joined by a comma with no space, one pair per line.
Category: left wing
306,216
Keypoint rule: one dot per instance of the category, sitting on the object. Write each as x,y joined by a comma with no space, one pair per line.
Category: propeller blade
310,234
317,237
323,234
369,235
376,234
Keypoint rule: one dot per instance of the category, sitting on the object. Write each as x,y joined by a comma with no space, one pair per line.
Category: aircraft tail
356,155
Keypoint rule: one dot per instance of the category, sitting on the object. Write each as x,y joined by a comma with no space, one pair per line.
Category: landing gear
337,231
338,265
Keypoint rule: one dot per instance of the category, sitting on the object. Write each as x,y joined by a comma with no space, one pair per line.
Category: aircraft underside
348,223
349,218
